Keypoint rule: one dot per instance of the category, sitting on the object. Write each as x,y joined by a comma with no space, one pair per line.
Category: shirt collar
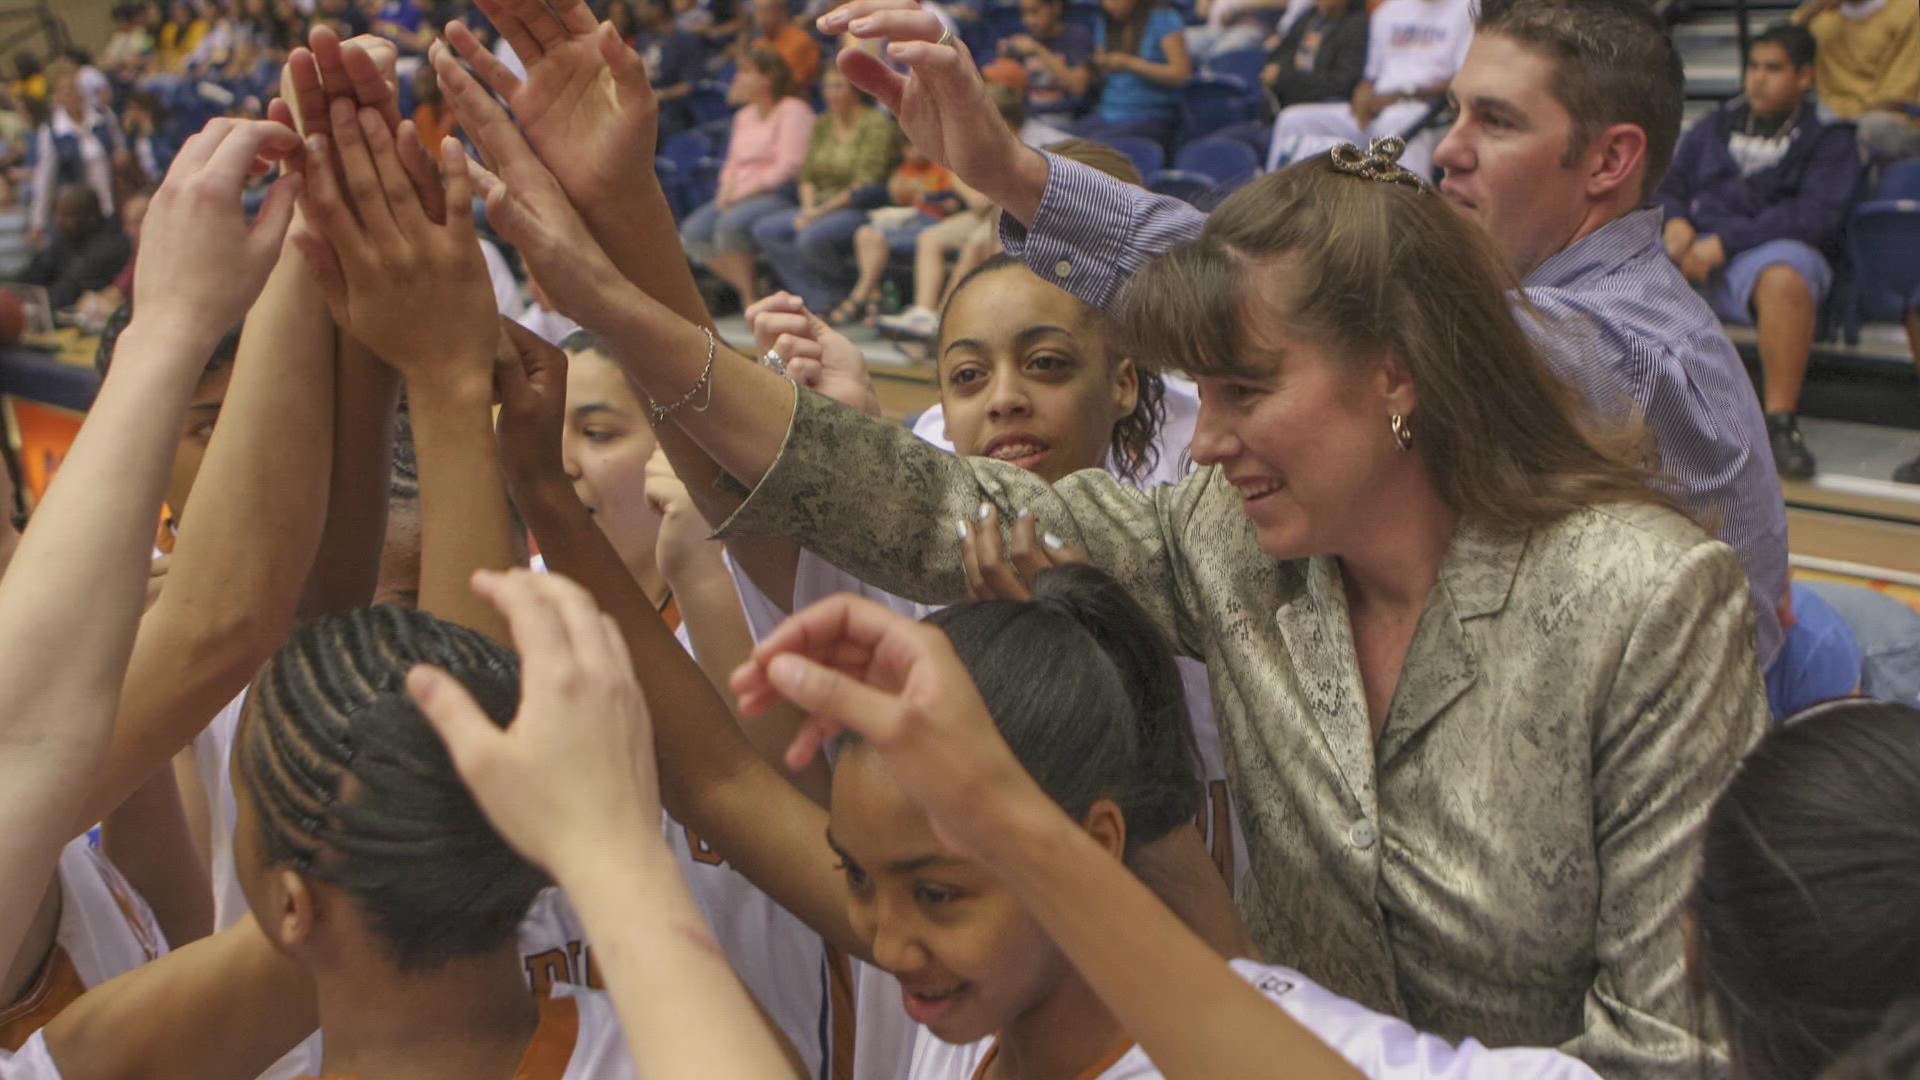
1606,248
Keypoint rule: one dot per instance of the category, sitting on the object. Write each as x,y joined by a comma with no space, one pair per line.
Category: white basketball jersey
1381,1047
30,1062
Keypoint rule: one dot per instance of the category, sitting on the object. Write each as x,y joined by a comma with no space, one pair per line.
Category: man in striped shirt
1568,115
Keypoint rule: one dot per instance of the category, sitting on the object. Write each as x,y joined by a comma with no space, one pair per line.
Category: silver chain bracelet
658,413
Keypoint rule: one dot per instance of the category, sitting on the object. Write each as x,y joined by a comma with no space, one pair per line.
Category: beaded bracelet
659,412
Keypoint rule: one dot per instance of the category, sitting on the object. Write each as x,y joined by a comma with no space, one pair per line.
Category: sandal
853,310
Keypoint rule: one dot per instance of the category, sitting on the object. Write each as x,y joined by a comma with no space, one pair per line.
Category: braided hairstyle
353,787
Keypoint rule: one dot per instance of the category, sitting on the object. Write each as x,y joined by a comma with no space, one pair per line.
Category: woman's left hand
1008,575
853,665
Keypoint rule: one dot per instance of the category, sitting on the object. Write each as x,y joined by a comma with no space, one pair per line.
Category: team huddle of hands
385,230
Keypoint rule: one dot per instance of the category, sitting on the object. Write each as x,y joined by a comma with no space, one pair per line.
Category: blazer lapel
1320,642
1441,660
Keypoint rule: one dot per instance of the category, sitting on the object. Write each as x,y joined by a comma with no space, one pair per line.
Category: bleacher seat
708,102
1147,155
1212,102
1883,237
1242,64
1228,162
1900,180
1189,187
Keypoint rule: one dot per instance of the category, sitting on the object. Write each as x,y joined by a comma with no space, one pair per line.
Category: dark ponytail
1807,916
1085,690
352,786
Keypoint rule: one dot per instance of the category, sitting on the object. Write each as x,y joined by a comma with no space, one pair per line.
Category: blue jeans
711,231
815,262
1889,635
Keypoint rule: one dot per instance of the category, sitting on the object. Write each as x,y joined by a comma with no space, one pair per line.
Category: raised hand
816,355
525,202
941,103
362,72
852,664
576,763
530,378
414,292
203,263
586,105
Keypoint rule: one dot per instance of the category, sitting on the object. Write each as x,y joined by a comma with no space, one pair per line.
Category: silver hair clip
1379,161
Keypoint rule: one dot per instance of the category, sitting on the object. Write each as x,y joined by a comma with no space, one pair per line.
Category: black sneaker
1791,458
1908,473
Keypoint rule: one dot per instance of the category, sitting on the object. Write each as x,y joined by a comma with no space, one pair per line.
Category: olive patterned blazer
1511,859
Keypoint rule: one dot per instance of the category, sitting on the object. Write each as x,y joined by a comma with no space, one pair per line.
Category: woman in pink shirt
769,144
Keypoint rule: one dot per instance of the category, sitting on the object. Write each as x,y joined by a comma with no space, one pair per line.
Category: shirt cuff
1079,234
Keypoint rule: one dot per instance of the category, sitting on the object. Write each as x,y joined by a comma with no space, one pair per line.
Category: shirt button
1363,835
1062,268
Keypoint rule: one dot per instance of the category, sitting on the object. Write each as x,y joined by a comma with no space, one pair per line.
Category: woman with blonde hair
1478,685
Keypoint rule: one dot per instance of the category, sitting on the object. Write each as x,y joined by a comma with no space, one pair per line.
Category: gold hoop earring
1402,431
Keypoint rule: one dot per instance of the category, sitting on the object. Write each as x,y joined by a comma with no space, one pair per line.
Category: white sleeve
931,427
1388,1048
1376,47
30,1062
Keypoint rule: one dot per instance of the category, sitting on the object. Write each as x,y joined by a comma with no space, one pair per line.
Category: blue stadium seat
686,149
1900,180
1242,64
1212,102
1188,187
1147,156
709,102
1884,241
1229,162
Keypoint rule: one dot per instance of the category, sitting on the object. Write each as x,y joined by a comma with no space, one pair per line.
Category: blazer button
1062,268
1363,835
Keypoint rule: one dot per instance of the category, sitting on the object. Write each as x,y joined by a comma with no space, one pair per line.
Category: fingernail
1053,542
960,529
985,509
1025,512
317,144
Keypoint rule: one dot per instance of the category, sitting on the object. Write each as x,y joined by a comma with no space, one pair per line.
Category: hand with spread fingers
526,204
810,352
941,103
586,105
1008,575
854,665
415,292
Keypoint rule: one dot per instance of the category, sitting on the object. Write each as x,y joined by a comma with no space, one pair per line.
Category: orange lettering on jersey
546,969
701,853
57,986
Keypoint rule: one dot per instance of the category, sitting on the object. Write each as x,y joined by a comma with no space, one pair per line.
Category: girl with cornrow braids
363,856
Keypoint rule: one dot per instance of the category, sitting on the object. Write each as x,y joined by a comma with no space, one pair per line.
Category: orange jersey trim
550,1050
57,986
1091,1072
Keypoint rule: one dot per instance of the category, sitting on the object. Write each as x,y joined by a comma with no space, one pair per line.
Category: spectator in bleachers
432,120
16,249
774,28
768,146
1869,54
142,119
922,194
76,145
399,21
1140,50
180,35
1414,47
87,251
29,79
675,59
1757,192
1056,55
128,47
1321,57
1231,25
851,151
1007,89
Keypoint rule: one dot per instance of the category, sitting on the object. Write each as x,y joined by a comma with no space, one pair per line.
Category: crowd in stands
1344,631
